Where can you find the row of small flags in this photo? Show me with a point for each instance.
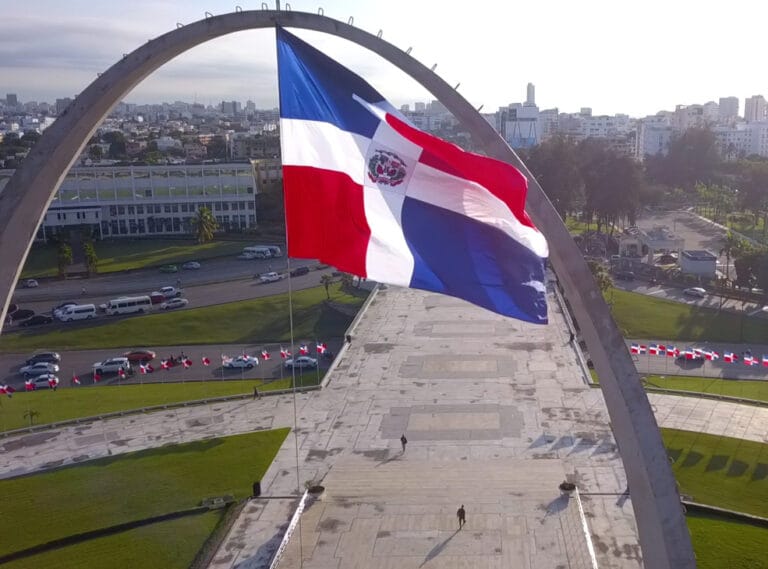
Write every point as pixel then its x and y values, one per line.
pixel 186 362
pixel 697 353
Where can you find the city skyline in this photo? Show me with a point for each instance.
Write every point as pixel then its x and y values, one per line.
pixel 59 55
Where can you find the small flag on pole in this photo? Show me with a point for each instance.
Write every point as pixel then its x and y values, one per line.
pixel 303 350
pixel 730 357
pixel 29 386
pixel 206 361
pixel 284 353
pixel 121 373
pixel 765 360
pixel 712 355
pixel 638 349
pixel 142 369
pixel 187 363
pixel 53 382
pixel 149 368
pixel 321 348
pixel 75 380
pixel 96 377
pixel 164 365
pixel 266 355
pixel 672 352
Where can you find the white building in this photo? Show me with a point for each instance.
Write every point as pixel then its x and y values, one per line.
pixel 653 136
pixel 134 201
pixel 755 108
pixel 742 140
pixel 728 109
pixel 165 143
pixel 702 263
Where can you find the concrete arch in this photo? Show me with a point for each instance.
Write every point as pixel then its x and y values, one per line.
pixel 662 528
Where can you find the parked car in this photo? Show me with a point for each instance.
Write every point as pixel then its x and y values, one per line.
pixel 174 303
pixel 49 357
pixel 44 381
pixel 139 355
pixel 29 283
pixel 37 320
pixel 191 266
pixel 695 291
pixel 22 314
pixel 169 269
pixel 38 368
pixel 298 271
pixel 269 277
pixel 301 362
pixel 241 362
pixel 112 365
pixel 625 276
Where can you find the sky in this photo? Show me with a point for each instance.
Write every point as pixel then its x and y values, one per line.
pixel 614 56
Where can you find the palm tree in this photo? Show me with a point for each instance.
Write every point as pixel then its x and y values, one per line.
pixel 326 281
pixel 204 225
pixel 91 258
pixel 31 414
pixel 346 280
pixel 64 258
pixel 732 247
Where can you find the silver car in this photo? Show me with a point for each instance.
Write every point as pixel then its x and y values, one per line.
pixel 38 368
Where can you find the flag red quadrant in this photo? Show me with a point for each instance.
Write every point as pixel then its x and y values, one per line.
pixel 399 205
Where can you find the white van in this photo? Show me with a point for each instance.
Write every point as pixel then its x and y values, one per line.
pixel 258 252
pixel 128 305
pixel 76 312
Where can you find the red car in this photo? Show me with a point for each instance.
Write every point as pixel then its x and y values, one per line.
pixel 140 355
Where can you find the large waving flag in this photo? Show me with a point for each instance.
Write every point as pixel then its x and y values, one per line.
pixel 398 205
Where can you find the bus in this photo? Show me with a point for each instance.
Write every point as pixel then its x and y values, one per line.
pixel 128 305
pixel 257 252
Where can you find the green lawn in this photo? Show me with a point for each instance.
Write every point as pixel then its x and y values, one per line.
pixel 104 492
pixel 73 403
pixel 260 320
pixel 641 316
pixel 757 390
pixel 723 543
pixel 171 545
pixel 124 254
pixel 720 471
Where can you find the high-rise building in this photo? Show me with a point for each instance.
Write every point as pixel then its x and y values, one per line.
pixel 62 104
pixel 530 95
pixel 419 107
pixel 754 108
pixel 729 108
pixel 11 100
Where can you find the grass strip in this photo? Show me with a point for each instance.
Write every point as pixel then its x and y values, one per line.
pixel 46 406
pixel 747 389
pixel 642 316
pixel 721 542
pixel 126 254
pixel 171 545
pixel 720 471
pixel 133 486
pixel 260 320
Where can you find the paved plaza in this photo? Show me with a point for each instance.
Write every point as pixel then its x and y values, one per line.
pixel 496 412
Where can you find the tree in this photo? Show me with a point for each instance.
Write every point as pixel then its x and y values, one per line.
pixel 347 280
pixel 733 246
pixel 692 157
pixel 602 277
pixel 64 258
pixel 91 259
pixel 326 281
pixel 555 165
pixel 204 225
pixel 31 414
pixel 94 152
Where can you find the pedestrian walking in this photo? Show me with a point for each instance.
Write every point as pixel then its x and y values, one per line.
pixel 571 338
pixel 462 515
pixel 403 441
pixel 256 394
pixel 82 291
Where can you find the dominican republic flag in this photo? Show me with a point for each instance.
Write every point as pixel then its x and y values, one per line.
pixel 142 369
pixel 689 354
pixel 7 390
pixel 187 363
pixel 121 373
pixel 75 380
pixel 672 352
pixel 712 355
pixel 322 348
pixel 206 361
pixel 637 349
pixel 750 360
pixel 29 386
pixel 266 355
pixel 399 206
pixel 96 377
pixel 765 361
pixel 730 357
pixel 303 350
pixel 164 365
pixel 284 353
pixel 53 382
pixel 149 368
pixel 653 349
